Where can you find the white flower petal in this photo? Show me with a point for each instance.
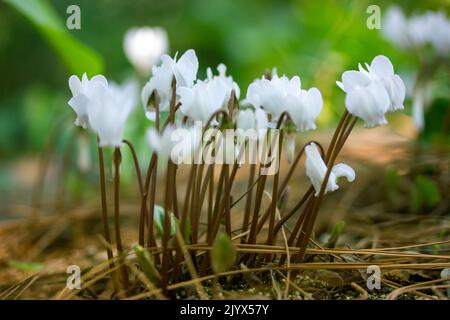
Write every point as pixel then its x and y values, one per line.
pixel 75 85
pixel 343 170
pixel 369 104
pixel 316 170
pixel 186 69
pixel 352 79
pixel 382 66
pixel 154 139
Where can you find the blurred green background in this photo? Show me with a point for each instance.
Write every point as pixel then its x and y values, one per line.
pixel 317 40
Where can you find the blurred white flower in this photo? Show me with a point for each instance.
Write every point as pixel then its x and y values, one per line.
pixel 82 91
pixel 108 110
pixel 161 143
pixel 282 94
pixel 251 124
pixel 178 144
pixel 83 155
pixel 290 146
pixel 144 47
pixel 418 109
pixel 431 27
pixel 251 129
pixel 183 70
pixel 395 26
pixel 226 82
pixel 439 36
pixel 316 170
pixel 248 119
pixel 373 92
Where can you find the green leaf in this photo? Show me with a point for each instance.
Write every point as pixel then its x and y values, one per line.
pixel 77 57
pixel 429 190
pixel 392 179
pixel 223 253
pixel 158 218
pixel 337 230
pixel 435 130
pixel 26 266
pixel 146 263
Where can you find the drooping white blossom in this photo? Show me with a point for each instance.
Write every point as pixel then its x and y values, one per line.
pixel 144 47
pixel 183 70
pixel 373 92
pixel 316 170
pixel 108 110
pixel 82 91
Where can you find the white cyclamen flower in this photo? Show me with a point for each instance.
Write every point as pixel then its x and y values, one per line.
pixel 226 82
pixel 282 94
pixel 82 91
pixel 316 170
pixel 144 47
pixel 108 110
pixel 272 94
pixel 201 100
pixel 178 144
pixel 184 70
pixel 305 108
pixel 373 92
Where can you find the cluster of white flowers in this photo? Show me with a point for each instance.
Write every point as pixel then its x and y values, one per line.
pixel 430 28
pixel 280 94
pixel 204 98
pixel 104 108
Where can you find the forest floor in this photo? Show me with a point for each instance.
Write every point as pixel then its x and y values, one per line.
pixel 383 227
